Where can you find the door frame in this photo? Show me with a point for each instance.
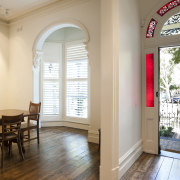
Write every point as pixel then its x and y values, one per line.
pixel 150 115
pixel 171 46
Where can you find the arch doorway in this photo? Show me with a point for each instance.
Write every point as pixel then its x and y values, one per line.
pixel 159 33
pixel 60 74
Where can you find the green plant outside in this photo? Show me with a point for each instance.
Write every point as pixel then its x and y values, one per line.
pixel 166 132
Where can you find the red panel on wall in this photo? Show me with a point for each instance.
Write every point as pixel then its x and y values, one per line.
pixel 149 80
pixel 170 5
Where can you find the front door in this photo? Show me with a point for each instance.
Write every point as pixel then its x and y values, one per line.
pixel 150 112
pixel 169 100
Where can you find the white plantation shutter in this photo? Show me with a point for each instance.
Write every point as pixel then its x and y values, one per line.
pixel 51 88
pixel 51 70
pixel 64 85
pixel 76 81
pixel 51 78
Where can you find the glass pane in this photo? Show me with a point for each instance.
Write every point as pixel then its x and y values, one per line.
pixel 51 70
pixel 172 26
pixel 151 28
pixel 167 7
pixel 77 99
pixel 77 69
pixel 50 98
pixel 76 52
pixel 149 80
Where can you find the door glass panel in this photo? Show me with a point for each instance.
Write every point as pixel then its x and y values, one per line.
pixel 149 80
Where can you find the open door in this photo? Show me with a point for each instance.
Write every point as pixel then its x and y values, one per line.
pixel 169 101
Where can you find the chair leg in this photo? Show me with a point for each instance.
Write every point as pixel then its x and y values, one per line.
pixel 38 134
pixel 28 135
pixel 2 154
pixel 10 148
pixel 20 148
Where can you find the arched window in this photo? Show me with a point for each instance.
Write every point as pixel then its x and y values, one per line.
pixel 64 74
pixel 172 26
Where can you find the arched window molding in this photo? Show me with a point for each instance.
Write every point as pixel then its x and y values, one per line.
pixel 37 56
pixel 157 39
pixel 167 7
pixel 38 45
pixel 160 21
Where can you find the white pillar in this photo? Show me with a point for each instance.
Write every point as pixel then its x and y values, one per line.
pixel 109 168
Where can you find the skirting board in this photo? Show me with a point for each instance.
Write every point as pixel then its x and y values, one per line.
pixel 64 123
pixel 127 160
pixel 93 136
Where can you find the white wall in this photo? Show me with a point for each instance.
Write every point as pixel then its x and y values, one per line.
pixel 24 32
pixel 4 33
pixel 147 7
pixel 66 34
pixel 129 78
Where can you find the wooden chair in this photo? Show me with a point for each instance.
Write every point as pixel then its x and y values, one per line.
pixel 11 129
pixel 34 108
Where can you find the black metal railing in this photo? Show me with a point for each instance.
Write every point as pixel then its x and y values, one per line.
pixel 170 115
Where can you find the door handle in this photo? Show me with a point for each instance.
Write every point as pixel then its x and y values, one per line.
pixel 157 94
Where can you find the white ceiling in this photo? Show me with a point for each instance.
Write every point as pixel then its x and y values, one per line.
pixel 20 7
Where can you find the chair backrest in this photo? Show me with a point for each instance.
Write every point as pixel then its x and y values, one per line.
pixel 11 124
pixel 33 109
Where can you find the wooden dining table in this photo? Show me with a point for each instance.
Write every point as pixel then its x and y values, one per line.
pixel 14 112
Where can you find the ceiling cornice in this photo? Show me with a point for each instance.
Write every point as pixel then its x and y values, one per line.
pixel 22 14
pixel 46 9
pixel 4 22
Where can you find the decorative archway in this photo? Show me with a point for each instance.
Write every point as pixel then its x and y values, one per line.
pixel 38 45
pixel 151 43
pixel 39 41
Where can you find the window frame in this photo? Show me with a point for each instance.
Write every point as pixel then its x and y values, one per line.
pixel 63 88
pixel 70 118
pixel 53 117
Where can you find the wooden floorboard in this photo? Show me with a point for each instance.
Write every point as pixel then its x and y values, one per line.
pixel 165 169
pixel 63 154
pixel 175 170
pixel 152 167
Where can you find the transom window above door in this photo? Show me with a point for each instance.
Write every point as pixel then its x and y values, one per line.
pixel 172 26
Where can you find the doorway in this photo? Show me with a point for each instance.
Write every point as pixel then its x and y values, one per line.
pixel 169 101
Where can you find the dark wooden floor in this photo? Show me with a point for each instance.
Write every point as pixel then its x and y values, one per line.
pixel 63 154
pixel 151 167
